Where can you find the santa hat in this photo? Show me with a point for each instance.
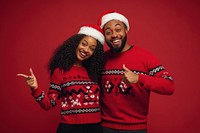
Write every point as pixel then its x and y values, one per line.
pixel 110 15
pixel 93 31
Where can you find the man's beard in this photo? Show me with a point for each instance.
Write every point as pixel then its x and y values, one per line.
pixel 119 49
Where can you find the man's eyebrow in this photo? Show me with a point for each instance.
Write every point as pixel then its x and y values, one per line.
pixel 115 25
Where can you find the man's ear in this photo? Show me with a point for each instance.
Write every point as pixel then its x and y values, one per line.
pixel 126 30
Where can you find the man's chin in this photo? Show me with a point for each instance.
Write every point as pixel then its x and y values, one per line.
pixel 116 50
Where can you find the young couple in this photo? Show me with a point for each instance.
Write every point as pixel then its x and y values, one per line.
pixel 102 92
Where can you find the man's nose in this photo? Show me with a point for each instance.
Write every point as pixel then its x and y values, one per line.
pixel 114 34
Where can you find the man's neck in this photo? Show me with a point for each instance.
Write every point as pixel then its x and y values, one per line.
pixel 126 48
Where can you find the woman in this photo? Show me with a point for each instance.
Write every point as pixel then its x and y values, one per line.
pixel 75 70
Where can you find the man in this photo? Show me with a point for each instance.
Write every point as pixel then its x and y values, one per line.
pixel 131 74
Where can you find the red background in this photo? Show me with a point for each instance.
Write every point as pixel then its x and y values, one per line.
pixel 31 30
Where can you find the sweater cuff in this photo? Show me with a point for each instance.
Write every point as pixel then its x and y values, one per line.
pixel 36 92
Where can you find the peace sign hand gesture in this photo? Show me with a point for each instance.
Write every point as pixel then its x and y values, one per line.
pixel 30 79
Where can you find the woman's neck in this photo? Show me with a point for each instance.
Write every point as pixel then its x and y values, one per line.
pixel 78 64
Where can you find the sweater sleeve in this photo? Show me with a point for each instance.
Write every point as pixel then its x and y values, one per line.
pixel 157 84
pixel 49 100
pixel 158 79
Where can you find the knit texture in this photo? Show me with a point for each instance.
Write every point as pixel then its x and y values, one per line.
pixel 78 95
pixel 125 106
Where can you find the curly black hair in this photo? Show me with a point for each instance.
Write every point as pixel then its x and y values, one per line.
pixel 64 58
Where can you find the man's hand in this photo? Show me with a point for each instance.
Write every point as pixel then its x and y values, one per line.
pixel 129 77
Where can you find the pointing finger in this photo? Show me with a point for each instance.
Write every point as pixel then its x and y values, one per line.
pixel 22 75
pixel 31 72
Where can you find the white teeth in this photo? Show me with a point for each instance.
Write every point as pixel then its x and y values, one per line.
pixel 83 54
pixel 115 41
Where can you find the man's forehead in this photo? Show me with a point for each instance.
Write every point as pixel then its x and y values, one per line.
pixel 113 23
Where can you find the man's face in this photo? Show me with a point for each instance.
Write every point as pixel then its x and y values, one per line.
pixel 115 35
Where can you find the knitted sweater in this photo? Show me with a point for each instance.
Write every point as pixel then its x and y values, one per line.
pixel 78 95
pixel 125 106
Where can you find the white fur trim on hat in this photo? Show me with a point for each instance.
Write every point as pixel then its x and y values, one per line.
pixel 116 16
pixel 93 33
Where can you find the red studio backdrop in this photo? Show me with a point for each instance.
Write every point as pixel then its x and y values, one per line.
pixel 31 30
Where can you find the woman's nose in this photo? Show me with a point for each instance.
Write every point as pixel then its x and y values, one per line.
pixel 86 49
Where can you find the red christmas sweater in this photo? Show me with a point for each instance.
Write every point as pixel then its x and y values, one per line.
pixel 78 95
pixel 126 106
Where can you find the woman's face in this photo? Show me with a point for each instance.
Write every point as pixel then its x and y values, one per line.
pixel 86 48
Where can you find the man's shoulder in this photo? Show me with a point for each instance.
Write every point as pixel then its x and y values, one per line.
pixel 142 50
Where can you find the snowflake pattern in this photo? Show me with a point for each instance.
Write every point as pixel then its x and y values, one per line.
pixel 75 102
pixel 64 103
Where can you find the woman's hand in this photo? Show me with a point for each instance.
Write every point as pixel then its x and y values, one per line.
pixel 30 79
